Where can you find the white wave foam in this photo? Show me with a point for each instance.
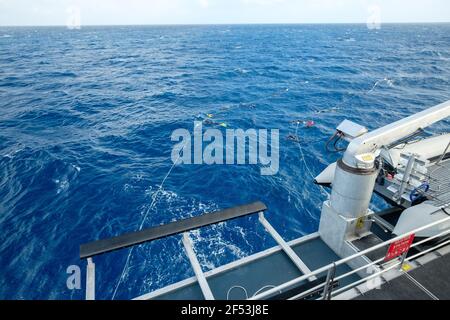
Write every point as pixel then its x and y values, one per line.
pixel 11 154
pixel 386 80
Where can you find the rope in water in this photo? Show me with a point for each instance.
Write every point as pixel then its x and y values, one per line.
pixel 322 189
pixel 155 196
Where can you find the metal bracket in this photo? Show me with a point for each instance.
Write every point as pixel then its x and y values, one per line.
pixel 207 293
pixel 286 248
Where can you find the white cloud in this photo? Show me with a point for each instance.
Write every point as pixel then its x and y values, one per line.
pixel 204 3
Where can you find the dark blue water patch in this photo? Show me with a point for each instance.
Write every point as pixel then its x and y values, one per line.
pixel 86 118
pixel 14 82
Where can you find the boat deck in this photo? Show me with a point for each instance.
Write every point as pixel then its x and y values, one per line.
pixel 243 279
pixel 440 183
pixel 430 281
pixel 257 273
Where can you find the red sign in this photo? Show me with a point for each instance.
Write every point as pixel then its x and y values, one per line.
pixel 399 247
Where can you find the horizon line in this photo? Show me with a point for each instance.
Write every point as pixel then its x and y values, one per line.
pixel 228 24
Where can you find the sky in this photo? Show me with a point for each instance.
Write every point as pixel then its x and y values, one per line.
pixel 131 12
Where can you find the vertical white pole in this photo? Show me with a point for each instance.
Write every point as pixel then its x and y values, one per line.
pixel 207 293
pixel 90 280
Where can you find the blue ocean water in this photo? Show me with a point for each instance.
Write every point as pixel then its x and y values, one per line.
pixel 85 123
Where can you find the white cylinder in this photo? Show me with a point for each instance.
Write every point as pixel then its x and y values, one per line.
pixel 352 190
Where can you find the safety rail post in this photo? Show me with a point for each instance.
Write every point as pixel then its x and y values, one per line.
pixel 90 280
pixel 402 259
pixel 94 248
pixel 406 177
pixel 329 283
pixel 203 283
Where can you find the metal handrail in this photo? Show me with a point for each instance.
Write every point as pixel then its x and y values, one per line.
pixel 326 268
pixel 389 268
pixel 353 271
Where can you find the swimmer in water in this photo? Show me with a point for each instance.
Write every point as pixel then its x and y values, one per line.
pixel 307 124
pixel 333 109
pixel 294 138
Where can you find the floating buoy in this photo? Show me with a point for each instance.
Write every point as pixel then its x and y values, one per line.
pixel 209 115
pixel 310 124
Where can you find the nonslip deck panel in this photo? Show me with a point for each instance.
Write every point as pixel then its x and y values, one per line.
pixel 266 271
pixel 433 276
pixel 106 245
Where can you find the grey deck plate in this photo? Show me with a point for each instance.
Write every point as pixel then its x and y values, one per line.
pixel 270 270
pixel 434 276
pixel 369 242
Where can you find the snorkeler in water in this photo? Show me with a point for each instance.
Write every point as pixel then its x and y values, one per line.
pixel 294 138
pixel 207 120
pixel 307 124
pixel 330 110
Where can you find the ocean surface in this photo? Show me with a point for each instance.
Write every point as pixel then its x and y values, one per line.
pixel 86 118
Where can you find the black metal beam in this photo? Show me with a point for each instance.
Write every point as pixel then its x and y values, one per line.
pixel 130 239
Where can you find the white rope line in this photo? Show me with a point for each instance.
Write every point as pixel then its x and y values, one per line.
pixel 155 196
pixel 322 189
pixel 269 286
pixel 237 287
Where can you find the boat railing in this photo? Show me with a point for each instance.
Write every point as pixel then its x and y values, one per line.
pixel 374 269
pixel 91 249
pixel 319 286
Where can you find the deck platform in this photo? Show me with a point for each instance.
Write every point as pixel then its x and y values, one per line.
pixel 267 269
pixel 438 177
pixel 428 282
